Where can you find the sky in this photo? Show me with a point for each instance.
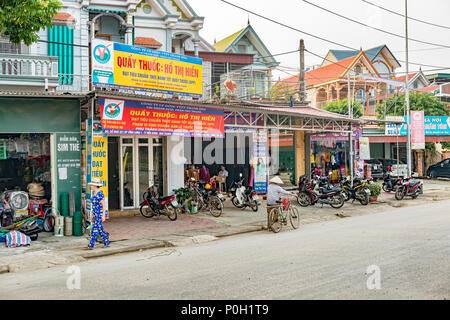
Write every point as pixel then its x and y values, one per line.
pixel 222 19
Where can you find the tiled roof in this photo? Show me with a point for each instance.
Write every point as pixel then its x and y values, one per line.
pixel 403 78
pixel 323 74
pixel 144 41
pixel 429 89
pixel 344 54
pixel 64 16
pixel 223 44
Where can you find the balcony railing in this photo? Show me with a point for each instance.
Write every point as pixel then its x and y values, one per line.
pixel 25 70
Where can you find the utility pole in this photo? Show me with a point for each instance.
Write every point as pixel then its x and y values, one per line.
pixel 350 135
pixel 408 146
pixel 302 85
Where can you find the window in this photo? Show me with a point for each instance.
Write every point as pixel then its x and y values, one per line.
pixel 242 48
pixel 8 47
pixel 60 44
pixel 358 69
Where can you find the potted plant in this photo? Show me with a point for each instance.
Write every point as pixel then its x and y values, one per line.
pixel 182 195
pixel 375 191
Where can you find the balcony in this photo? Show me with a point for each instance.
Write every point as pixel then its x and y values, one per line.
pixel 27 72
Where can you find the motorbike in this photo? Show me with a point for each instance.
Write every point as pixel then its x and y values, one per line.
pixel 154 205
pixel 207 197
pixel 242 196
pixel 327 194
pixel 359 191
pixel 389 183
pixel 410 188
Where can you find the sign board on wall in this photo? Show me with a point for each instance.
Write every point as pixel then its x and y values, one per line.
pixel 364 149
pixel 260 160
pixel 433 126
pixel 147 118
pixel 417 130
pixel 120 66
pixel 68 165
pixel 99 165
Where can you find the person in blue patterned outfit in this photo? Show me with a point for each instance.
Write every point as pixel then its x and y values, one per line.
pixel 98 214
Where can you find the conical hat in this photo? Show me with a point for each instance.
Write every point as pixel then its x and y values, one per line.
pixel 276 180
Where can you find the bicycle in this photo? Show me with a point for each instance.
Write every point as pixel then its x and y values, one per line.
pixel 278 216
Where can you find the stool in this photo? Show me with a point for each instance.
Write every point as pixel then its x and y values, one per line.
pixel 39 203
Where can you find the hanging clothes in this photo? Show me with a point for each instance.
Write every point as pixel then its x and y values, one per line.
pixel 327 157
pixel 312 158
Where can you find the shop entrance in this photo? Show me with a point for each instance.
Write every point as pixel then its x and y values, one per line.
pixel 141 165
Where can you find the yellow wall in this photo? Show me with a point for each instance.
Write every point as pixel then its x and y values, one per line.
pixel 300 160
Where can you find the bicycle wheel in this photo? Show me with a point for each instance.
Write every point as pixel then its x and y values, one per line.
pixel 275 220
pixel 215 206
pixel 294 217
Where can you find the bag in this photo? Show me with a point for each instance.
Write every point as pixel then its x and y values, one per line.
pixel 17 239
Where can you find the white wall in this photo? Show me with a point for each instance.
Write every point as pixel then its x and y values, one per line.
pixel 175 163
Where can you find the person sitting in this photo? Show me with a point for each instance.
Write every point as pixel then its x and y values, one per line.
pixel 221 178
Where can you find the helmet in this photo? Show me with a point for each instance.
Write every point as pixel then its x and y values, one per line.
pixel 207 186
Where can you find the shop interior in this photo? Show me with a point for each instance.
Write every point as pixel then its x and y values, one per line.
pixel 329 158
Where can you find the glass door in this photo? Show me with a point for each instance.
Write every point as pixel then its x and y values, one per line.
pixel 144 167
pixel 128 172
pixel 157 164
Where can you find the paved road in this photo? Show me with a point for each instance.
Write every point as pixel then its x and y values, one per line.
pixel 328 260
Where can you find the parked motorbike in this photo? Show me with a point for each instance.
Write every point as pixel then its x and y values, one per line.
pixel 408 187
pixel 326 194
pixel 207 197
pixel 242 196
pixel 389 183
pixel 154 205
pixel 359 191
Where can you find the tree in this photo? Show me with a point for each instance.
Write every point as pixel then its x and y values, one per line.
pixel 21 20
pixel 395 106
pixel 341 106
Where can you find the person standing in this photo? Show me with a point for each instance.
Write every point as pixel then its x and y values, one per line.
pixel 98 214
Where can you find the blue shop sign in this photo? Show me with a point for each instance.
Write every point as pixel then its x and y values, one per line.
pixel 434 126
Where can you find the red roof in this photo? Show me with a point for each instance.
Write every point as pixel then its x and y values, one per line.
pixel 403 78
pixel 323 74
pixel 64 16
pixel 430 89
pixel 144 41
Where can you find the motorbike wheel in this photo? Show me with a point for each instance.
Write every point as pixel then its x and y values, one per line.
pixel 337 201
pixel 146 211
pixel 303 199
pixel 385 188
pixel 275 220
pixel 254 205
pixel 363 199
pixel 215 206
pixel 236 203
pixel 400 194
pixel 171 213
pixel 49 223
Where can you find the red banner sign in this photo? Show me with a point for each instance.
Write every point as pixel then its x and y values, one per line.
pixel 417 130
pixel 146 118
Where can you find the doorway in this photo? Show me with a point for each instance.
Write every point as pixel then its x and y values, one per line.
pixel 113 173
pixel 141 166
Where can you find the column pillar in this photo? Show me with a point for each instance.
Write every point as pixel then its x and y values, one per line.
pixel 419 163
pixel 300 159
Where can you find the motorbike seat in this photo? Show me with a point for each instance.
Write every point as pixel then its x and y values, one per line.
pixel 414 182
pixel 164 198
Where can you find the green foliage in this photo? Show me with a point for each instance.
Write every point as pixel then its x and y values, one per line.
pixel 395 106
pixel 21 20
pixel 375 189
pixel 182 194
pixel 445 145
pixel 341 107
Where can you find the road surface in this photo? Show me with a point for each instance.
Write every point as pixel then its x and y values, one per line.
pixel 401 254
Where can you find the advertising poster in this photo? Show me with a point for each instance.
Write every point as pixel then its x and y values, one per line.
pixel 120 66
pixel 417 130
pixel 99 164
pixel 88 164
pixel 364 149
pixel 147 118
pixel 260 160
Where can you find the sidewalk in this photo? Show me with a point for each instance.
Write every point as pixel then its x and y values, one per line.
pixel 134 232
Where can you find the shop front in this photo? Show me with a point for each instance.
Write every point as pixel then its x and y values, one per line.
pixel 142 144
pixel 40 152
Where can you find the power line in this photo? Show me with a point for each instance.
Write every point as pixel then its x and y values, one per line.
pixel 402 15
pixel 320 38
pixel 375 28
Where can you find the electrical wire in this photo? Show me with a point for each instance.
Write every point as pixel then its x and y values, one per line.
pixel 374 28
pixel 402 15
pixel 317 37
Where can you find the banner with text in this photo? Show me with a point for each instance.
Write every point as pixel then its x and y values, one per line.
pixel 260 160
pixel 120 66
pixel 417 130
pixel 434 126
pixel 99 165
pixel 141 117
